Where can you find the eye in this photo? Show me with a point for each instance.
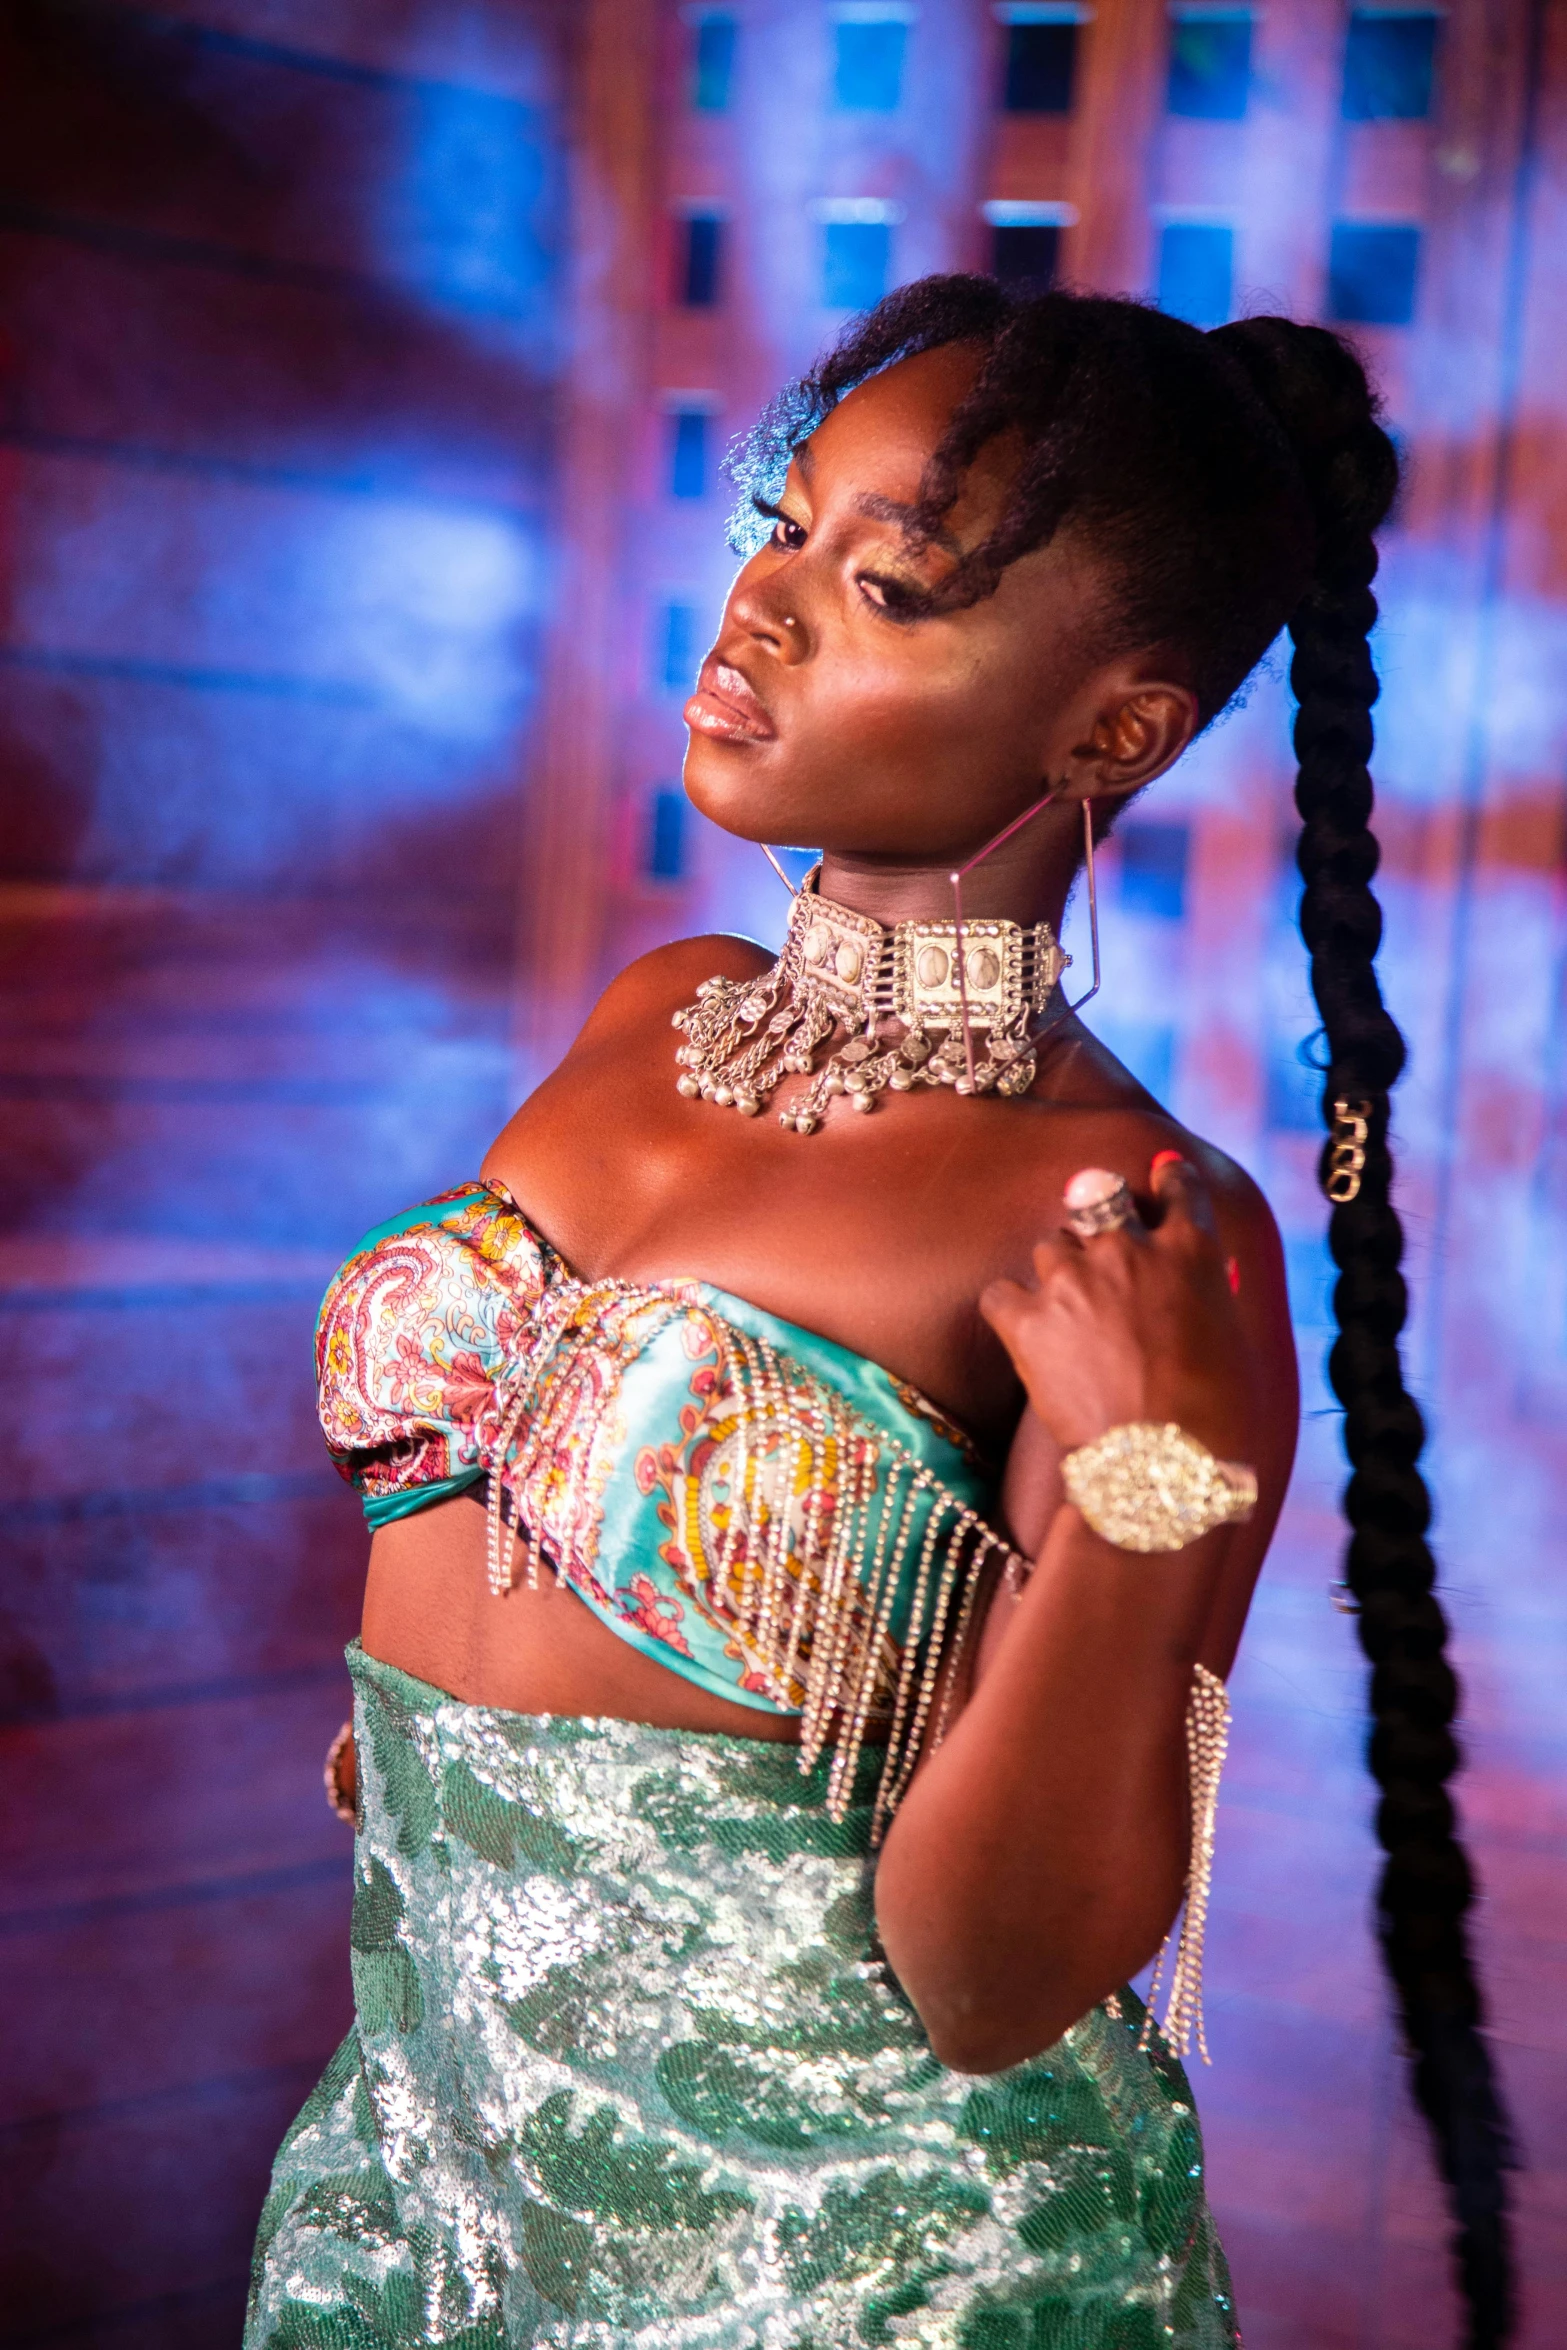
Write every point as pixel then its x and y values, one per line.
pixel 786 532
pixel 896 597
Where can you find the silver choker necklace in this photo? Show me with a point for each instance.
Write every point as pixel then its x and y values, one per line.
pixel 839 969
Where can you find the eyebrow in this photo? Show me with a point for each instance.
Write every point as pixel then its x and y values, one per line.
pixel 879 509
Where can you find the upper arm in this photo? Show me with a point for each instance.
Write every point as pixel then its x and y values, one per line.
pixel 1264 1375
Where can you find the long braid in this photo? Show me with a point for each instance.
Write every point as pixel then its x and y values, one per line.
pixel 1426 1887
pixel 1230 484
pixel 1317 390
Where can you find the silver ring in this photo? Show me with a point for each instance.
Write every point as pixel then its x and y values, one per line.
pixel 1097 1201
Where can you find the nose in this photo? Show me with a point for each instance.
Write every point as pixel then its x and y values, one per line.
pixel 763 608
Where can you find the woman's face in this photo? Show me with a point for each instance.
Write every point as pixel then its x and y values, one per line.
pixel 828 716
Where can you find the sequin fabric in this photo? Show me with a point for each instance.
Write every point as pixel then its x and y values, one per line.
pixel 626 2072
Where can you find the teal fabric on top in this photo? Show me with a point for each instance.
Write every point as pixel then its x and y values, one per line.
pixel 381 1509
pixel 455 1345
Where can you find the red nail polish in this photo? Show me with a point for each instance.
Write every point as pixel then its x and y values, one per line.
pixel 1232 1272
pixel 1165 1159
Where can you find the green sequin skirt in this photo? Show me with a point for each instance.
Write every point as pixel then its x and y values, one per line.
pixel 626 2071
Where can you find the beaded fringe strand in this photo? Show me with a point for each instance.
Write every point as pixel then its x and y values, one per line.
pixel 1207 1742
pixel 821 1510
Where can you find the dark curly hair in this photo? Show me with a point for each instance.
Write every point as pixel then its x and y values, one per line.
pixel 1233 482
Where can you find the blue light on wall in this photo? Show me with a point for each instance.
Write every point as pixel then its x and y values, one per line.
pixel 688 437
pixel 1373 270
pixel 665 855
pixel 679 647
pixel 1210 64
pixel 473 218
pixel 1153 868
pixel 1196 269
pixel 868 64
pixel 1293 1085
pixel 1389 66
pixel 1145 1047
pixel 712 63
pixel 856 263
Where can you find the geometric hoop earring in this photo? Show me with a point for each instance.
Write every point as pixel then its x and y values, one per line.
pixel 956 880
pixel 957 910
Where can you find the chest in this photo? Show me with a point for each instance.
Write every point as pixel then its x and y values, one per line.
pixel 878 1231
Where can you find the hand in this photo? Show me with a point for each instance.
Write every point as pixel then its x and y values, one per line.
pixel 1135 1324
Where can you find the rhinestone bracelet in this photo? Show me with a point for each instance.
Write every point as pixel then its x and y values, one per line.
pixel 1149 1486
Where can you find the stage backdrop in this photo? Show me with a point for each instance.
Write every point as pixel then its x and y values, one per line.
pixel 277 426
pixel 365 378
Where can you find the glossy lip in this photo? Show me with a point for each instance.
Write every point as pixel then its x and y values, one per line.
pixel 727 705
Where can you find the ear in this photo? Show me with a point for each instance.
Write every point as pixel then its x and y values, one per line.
pixel 1135 736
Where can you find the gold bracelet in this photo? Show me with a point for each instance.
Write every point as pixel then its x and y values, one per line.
pixel 1149 1486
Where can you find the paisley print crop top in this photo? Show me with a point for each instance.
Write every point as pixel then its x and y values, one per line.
pixel 770 1515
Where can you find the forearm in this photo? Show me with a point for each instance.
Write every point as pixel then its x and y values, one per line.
pixel 1038 1857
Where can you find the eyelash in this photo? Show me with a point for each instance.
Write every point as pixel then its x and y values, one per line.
pixel 902 602
pixel 780 521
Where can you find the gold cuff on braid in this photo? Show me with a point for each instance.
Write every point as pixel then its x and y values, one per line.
pixel 1149 1486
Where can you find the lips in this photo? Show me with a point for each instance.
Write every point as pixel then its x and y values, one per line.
pixel 725 704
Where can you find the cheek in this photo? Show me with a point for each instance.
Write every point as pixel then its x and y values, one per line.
pixel 880 735
pixel 913 702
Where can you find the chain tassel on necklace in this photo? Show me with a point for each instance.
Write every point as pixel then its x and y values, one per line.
pixel 839 969
pixel 936 982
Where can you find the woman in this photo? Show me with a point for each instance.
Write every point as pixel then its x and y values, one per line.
pixel 843 1498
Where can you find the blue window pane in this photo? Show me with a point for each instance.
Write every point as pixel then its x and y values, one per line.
pixel 868 68
pixel 680 647
pixel 1040 70
pixel 713 64
pixel 1153 868
pixel 700 261
pixel 857 260
pixel 1196 261
pixel 688 453
pixel 1210 66
pixel 1026 258
pixel 1388 67
pixel 666 836
pixel 1372 269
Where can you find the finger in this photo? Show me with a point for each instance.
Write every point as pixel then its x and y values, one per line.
pixel 1055 1250
pixel 1003 1303
pixel 1183 1197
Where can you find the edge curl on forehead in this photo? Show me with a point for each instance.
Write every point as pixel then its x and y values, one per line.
pixel 1152 438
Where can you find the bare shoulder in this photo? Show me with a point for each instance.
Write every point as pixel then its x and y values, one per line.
pixel 607 1063
pixel 669 976
pixel 1239 1201
pixel 1090 1111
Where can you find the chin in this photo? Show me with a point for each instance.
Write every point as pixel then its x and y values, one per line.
pixel 734 787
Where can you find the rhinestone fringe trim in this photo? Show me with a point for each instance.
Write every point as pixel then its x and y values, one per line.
pixel 810 1542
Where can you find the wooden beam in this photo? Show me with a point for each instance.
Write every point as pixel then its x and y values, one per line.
pixel 1114 147
pixel 565 876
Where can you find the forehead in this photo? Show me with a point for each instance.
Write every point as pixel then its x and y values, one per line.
pixel 886 430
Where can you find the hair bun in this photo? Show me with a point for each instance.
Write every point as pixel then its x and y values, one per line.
pixel 1315 388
